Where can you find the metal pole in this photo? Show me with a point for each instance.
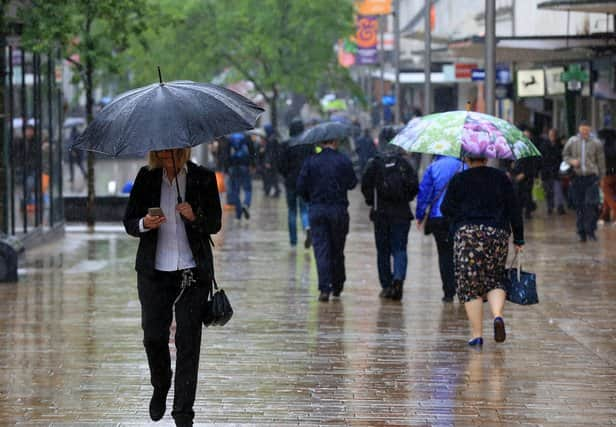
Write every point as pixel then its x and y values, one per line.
pixel 397 118
pixel 382 20
pixel 490 53
pixel 427 59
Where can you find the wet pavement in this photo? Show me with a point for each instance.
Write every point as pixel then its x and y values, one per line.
pixel 71 352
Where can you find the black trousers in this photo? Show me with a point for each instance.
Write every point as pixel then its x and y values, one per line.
pixel 586 198
pixel 157 294
pixel 444 246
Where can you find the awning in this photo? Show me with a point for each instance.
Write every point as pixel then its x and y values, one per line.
pixel 537 48
pixel 590 6
pixel 411 77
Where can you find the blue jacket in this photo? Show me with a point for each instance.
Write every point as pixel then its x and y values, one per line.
pixel 434 182
pixel 325 179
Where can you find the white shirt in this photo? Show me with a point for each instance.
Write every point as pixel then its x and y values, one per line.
pixel 172 250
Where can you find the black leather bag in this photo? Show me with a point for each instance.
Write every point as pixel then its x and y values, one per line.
pixel 217 311
pixel 521 285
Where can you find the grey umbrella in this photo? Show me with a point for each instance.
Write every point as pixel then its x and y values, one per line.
pixel 326 131
pixel 162 116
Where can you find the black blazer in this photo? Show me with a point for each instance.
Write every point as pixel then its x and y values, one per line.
pixel 201 194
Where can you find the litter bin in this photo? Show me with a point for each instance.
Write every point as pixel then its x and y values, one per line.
pixel 10 247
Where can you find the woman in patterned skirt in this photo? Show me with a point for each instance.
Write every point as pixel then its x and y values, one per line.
pixel 482 207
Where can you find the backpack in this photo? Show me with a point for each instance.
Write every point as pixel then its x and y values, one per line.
pixel 394 181
pixel 239 150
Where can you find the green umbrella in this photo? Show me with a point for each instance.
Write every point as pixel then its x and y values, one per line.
pixel 459 133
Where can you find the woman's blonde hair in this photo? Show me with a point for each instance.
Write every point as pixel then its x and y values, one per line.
pixel 181 155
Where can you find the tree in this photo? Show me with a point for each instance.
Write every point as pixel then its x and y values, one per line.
pixel 91 34
pixel 279 45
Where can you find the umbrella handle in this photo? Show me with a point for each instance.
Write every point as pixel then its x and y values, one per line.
pixel 160 76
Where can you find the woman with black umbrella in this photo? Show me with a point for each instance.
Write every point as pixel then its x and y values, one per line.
pixel 174 268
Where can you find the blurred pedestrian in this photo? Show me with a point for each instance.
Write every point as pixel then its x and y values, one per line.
pixel 292 157
pixel 270 162
pixel 174 269
pixel 324 181
pixel 523 173
pixel 432 192
pixel 482 208
pixel 551 158
pixel 365 149
pixel 240 159
pixel 389 184
pixel 75 157
pixel 587 157
pixel 608 183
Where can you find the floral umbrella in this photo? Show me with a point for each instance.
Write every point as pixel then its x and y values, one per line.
pixel 459 133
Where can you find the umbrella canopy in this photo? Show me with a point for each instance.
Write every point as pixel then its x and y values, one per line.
pixel 161 116
pixel 460 133
pixel 326 131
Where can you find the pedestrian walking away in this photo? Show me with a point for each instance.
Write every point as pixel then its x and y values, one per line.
pixel 324 181
pixel 551 158
pixel 270 162
pixel 292 157
pixel 432 191
pixel 389 184
pixel 482 208
pixel 586 155
pixel 173 247
pixel 240 161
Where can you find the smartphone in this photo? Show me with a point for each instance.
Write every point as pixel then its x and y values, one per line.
pixel 155 212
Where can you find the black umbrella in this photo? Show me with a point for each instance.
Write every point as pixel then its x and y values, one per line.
pixel 162 116
pixel 326 131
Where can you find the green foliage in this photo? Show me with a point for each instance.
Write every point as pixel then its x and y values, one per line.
pixel 89 32
pixel 280 45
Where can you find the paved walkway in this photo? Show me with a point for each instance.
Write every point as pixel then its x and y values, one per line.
pixel 71 352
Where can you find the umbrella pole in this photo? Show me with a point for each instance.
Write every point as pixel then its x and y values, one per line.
pixel 160 76
pixel 177 185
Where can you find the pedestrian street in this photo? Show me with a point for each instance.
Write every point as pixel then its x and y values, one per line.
pixel 71 350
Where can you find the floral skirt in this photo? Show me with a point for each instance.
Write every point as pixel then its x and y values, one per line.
pixel 480 255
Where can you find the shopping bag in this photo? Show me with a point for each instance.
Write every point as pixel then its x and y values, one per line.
pixel 521 286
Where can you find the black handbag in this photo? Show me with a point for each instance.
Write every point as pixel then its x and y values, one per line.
pixel 217 311
pixel 521 286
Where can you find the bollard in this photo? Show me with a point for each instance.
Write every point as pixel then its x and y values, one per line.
pixel 10 247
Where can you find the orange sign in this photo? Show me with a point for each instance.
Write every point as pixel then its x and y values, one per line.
pixel 367 31
pixel 373 7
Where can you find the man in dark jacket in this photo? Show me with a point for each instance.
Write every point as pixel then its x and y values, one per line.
pixel 523 175
pixel 389 185
pixel 324 181
pixel 291 159
pixel 365 149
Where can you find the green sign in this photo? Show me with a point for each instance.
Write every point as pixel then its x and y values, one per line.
pixel 574 73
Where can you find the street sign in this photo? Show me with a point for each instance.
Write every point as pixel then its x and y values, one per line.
pixel 463 71
pixel 530 83
pixel 553 83
pixel 478 74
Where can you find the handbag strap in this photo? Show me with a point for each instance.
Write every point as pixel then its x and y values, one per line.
pixel 517 257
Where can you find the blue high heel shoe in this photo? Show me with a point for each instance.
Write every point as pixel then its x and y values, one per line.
pixel 476 342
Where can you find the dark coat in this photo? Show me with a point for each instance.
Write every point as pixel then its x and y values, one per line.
pixel 291 160
pixel 391 210
pixel 201 194
pixel 551 157
pixel 326 178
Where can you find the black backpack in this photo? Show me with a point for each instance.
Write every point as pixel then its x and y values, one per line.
pixel 395 179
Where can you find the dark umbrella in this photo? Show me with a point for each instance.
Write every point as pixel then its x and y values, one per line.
pixel 162 116
pixel 327 131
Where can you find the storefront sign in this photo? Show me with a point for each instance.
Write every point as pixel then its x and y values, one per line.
pixel 366 38
pixel 373 7
pixel 478 74
pixel 553 83
pixel 530 83
pixel 463 71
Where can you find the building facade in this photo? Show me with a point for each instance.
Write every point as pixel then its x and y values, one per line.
pixel 31 139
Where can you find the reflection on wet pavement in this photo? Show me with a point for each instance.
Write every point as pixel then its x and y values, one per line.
pixel 71 352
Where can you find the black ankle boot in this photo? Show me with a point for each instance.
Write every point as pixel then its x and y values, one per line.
pixel 396 291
